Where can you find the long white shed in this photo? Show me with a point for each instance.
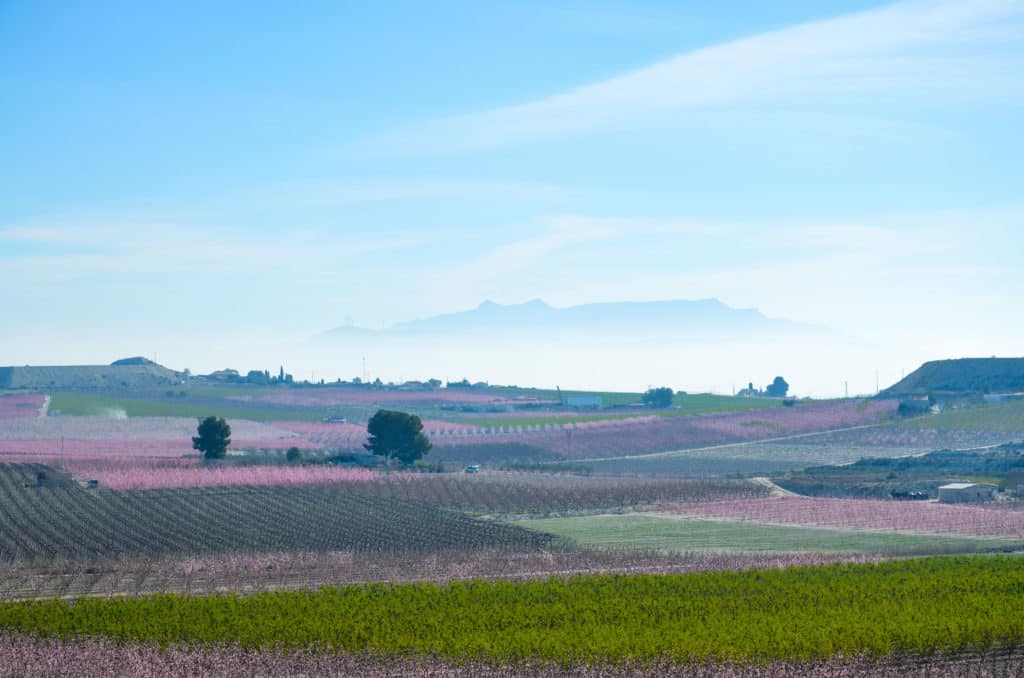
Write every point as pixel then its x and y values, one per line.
pixel 956 493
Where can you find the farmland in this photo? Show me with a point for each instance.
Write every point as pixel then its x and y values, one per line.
pixel 530 493
pixel 867 514
pixel 587 338
pixel 653 531
pixel 20 405
pixel 1005 417
pixel 574 508
pixel 60 659
pixel 70 522
pixel 272 571
pixel 798 613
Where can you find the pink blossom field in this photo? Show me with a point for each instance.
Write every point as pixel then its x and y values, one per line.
pixel 911 439
pixel 315 430
pixel 864 514
pixel 21 405
pixel 134 428
pixel 138 447
pixel 654 434
pixel 197 475
pixel 68 439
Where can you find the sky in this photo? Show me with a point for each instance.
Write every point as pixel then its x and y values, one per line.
pixel 215 185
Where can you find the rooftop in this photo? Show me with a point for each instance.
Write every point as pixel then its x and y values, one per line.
pixel 964 486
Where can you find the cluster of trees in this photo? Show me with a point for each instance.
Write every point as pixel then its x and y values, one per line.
pixel 392 435
pixel 658 397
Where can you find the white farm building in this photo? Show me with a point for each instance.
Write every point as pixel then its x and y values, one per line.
pixel 955 493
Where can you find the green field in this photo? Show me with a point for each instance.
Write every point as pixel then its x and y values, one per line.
pixel 919 605
pixel 201 401
pixel 682 405
pixel 1003 417
pixel 688 534
pixel 75 404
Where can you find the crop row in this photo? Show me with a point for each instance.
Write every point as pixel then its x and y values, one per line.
pixel 247 573
pixel 66 521
pixel 220 476
pixel 916 606
pixel 535 493
pixel 46 657
pixel 866 514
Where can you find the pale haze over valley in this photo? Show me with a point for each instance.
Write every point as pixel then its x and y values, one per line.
pixel 226 192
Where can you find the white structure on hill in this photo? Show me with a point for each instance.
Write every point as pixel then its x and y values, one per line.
pixel 954 493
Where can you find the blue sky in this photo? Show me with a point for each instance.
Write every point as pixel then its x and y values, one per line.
pixel 179 179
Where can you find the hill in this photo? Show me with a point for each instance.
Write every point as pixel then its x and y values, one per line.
pixel 962 376
pixel 130 373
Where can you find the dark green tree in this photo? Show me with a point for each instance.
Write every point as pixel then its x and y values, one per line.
pixel 778 388
pixel 658 397
pixel 293 455
pixel 257 377
pixel 397 435
pixel 213 439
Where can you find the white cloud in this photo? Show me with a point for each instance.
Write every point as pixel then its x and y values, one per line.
pixel 937 45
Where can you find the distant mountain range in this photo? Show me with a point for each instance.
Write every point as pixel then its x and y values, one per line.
pixel 668 319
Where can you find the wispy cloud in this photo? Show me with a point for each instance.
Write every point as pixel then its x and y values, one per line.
pixel 561 232
pixel 83 248
pixel 355 190
pixel 873 273
pixel 942 46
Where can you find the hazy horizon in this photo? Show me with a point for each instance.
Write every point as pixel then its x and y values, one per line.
pixel 631 361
